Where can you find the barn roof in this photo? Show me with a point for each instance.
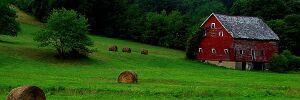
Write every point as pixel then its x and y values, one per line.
pixel 247 27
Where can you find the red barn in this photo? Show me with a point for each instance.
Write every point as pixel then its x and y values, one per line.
pixel 237 42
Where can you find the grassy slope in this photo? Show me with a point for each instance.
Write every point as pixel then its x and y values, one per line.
pixel 164 74
pixel 25 18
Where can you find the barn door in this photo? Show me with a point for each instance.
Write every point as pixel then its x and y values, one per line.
pixel 253 55
pixel 243 65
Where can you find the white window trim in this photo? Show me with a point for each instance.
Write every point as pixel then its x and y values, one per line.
pixel 213 25
pixel 242 52
pixel 221 33
pixel 226 51
pixel 213 51
pixel 200 50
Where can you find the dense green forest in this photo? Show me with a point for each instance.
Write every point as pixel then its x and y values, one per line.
pixel 170 23
pixel 8 24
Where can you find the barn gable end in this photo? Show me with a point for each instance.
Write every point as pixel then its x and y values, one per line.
pixel 217 43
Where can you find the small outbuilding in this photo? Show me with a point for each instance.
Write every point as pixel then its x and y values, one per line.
pixel 237 42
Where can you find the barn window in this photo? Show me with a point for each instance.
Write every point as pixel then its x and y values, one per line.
pixel 241 52
pixel 213 25
pixel 200 50
pixel 226 51
pixel 214 51
pixel 221 34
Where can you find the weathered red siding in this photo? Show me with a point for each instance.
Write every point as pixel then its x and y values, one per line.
pixel 264 50
pixel 213 40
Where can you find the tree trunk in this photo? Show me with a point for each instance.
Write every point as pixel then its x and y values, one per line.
pixel 60 52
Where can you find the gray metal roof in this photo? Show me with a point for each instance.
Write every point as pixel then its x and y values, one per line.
pixel 247 27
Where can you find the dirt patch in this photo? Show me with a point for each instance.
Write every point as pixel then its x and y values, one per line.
pixel 23 17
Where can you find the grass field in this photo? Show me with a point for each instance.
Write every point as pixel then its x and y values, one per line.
pixel 164 74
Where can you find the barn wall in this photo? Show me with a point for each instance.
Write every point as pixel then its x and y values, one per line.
pixel 264 50
pixel 213 40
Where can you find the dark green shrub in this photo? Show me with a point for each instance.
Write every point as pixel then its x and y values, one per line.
pixel 279 63
pixel 290 57
pixel 293 61
pixel 285 62
pixel 193 43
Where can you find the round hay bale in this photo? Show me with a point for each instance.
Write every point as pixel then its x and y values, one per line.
pixel 128 77
pixel 26 93
pixel 128 50
pixel 113 48
pixel 144 52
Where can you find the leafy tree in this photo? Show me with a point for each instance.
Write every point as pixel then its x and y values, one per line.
pixel 193 44
pixel 176 31
pixel 228 3
pixel 159 5
pixel 40 9
pixel 266 9
pixel 294 6
pixel 66 32
pixel 165 29
pixel 288 29
pixel 155 27
pixel 197 11
pixel 106 19
pixel 23 4
pixel 8 23
pixel 293 32
pixel 132 22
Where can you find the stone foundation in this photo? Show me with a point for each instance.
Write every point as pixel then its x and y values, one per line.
pixel 240 65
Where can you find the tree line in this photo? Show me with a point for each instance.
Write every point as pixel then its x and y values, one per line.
pixel 171 23
pixel 8 24
pixel 166 23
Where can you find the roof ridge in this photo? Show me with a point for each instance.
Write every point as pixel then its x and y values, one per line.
pixel 236 16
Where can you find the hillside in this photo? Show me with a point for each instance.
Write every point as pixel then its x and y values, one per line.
pixel 23 17
pixel 163 74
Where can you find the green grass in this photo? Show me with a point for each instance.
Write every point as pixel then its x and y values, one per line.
pixel 163 74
